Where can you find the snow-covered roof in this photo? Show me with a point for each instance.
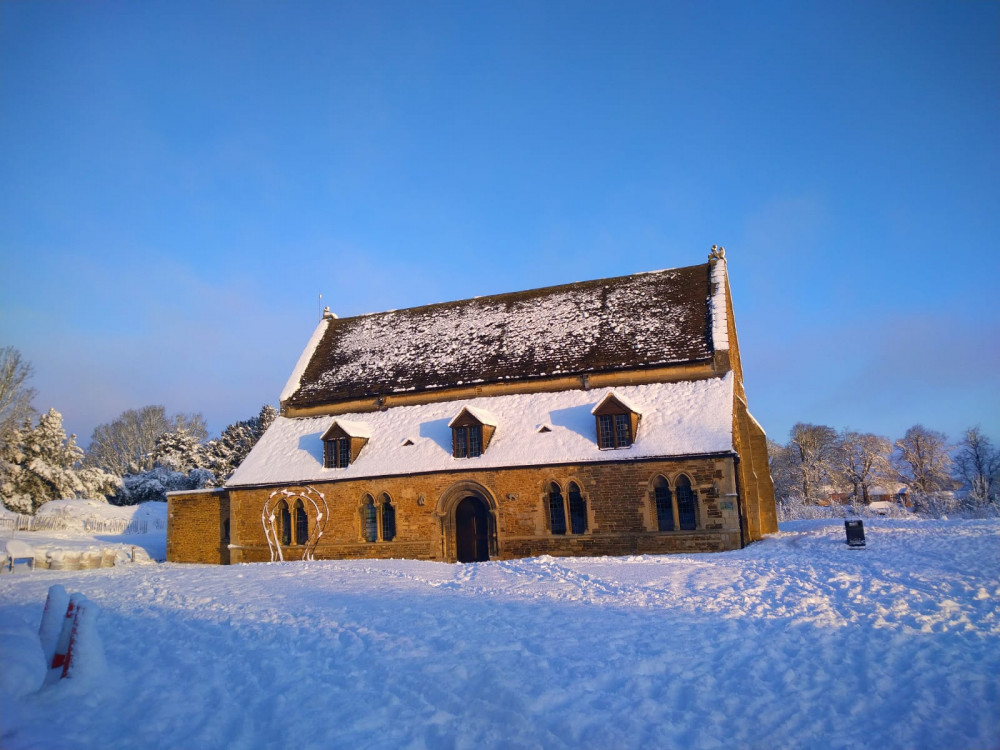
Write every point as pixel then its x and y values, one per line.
pixel 353 428
pixel 620 399
pixel 630 322
pixel 480 415
pixel 295 379
pixel 720 329
pixel 682 418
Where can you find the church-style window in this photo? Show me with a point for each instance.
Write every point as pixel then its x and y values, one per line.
pixel 388 520
pixel 301 523
pixel 687 511
pixel 664 505
pixel 557 511
pixel 343 442
pixel 369 520
pixel 617 423
pixel 577 510
pixel 471 432
pixel 284 523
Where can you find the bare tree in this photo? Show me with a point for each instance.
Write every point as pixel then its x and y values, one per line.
pixel 126 445
pixel 922 460
pixel 864 460
pixel 15 396
pixel 977 464
pixel 782 461
pixel 815 448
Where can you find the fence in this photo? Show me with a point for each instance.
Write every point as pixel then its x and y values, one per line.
pixel 116 526
pixel 33 523
pixel 94 525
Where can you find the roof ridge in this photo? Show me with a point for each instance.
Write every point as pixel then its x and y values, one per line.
pixel 554 288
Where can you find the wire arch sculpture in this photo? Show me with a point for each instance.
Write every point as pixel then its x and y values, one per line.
pixel 309 496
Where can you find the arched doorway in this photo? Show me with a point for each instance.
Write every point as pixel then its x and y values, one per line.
pixel 472 530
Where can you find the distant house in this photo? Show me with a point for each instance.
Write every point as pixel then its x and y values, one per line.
pixel 600 417
pixel 897 494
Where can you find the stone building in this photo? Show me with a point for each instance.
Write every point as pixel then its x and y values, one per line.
pixel 598 418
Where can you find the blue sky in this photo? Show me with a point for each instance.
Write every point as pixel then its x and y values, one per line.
pixel 179 180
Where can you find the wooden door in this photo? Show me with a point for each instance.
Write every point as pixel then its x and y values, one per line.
pixel 472 526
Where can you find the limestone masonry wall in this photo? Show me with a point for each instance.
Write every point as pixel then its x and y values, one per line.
pixel 620 508
pixel 196 527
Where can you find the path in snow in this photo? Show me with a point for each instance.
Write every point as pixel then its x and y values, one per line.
pixel 793 642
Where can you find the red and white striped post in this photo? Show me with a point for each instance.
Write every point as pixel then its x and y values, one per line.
pixel 59 666
pixel 56 604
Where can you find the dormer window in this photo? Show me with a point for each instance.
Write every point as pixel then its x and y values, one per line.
pixel 343 442
pixel 471 432
pixel 617 422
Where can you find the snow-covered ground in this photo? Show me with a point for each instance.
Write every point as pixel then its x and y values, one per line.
pixel 68 539
pixel 794 642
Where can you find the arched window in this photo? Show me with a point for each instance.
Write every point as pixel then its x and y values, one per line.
pixel 664 505
pixel 301 523
pixel 285 523
pixel 369 526
pixel 388 520
pixel 577 510
pixel 687 513
pixel 557 512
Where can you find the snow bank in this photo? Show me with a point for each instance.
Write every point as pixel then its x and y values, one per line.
pixel 795 641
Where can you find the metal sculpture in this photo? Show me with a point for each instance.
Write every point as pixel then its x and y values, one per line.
pixel 309 496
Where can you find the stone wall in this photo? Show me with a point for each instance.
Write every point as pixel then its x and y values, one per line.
pixel 621 515
pixel 196 526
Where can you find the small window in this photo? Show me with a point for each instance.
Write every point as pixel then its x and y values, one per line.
pixel 471 432
pixel 468 441
pixel 343 442
pixel 557 511
pixel 337 453
pixel 301 523
pixel 687 512
pixel 664 505
pixel 616 423
pixel 388 520
pixel 577 510
pixel 285 523
pixel 369 525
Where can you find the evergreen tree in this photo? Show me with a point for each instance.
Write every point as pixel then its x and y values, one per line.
pixel 180 451
pixel 153 485
pixel 40 463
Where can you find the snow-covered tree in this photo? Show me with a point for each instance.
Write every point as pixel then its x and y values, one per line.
pixel 40 464
pixel 126 445
pixel 864 461
pixel 153 485
pixel 179 450
pixel 814 457
pixel 783 463
pixel 235 442
pixel 922 460
pixel 977 466
pixel 15 396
